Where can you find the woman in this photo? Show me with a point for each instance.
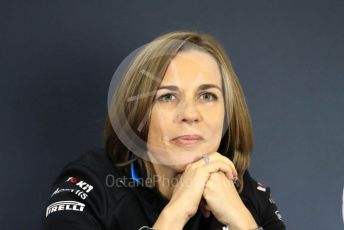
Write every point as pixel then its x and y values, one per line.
pixel 178 140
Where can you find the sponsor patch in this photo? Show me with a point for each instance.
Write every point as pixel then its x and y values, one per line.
pixel 261 187
pixel 278 214
pixel 65 206
pixel 82 184
pixel 77 192
pixel 271 200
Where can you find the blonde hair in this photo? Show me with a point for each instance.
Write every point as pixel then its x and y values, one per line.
pixel 237 141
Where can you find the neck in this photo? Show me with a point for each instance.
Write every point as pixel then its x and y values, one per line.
pixel 167 178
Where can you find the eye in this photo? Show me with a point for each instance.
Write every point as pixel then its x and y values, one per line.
pixel 166 97
pixel 212 96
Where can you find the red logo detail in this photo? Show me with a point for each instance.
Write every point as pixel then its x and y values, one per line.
pixel 73 180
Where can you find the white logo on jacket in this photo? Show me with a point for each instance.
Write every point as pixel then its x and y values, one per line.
pixel 68 205
pixel 80 183
pixel 77 192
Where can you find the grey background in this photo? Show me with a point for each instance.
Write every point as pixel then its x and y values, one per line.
pixel 57 59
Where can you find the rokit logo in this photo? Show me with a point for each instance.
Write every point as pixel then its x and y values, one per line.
pixel 82 184
pixel 77 192
pixel 261 187
pixel 65 205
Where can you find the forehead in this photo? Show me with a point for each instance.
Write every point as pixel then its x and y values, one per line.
pixel 192 67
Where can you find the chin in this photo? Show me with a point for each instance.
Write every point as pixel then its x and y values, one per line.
pixel 180 168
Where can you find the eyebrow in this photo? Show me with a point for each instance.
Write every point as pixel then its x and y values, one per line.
pixel 201 87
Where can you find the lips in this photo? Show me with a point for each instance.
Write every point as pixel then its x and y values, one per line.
pixel 186 140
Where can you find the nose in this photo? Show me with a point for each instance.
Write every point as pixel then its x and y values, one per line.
pixel 188 113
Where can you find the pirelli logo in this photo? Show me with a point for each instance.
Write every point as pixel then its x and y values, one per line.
pixel 65 206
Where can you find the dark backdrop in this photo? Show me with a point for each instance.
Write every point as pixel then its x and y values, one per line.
pixel 57 59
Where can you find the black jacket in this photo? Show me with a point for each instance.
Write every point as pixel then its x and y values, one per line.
pixel 91 194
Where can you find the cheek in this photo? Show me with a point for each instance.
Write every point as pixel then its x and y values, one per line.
pixel 215 118
pixel 159 125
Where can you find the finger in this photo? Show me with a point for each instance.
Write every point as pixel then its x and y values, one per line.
pixel 206 213
pixel 218 157
pixel 206 207
pixel 231 181
pixel 218 166
pixel 204 204
pixel 203 211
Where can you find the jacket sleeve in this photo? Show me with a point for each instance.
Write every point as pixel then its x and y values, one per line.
pixel 75 201
pixel 271 219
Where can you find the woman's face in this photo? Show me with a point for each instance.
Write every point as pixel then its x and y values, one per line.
pixel 189 102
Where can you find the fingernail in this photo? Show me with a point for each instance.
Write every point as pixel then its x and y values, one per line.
pixel 235 183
